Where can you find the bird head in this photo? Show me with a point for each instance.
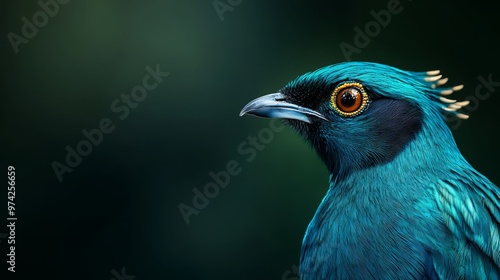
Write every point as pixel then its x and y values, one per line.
pixel 358 114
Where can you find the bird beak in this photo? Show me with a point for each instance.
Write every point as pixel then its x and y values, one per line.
pixel 274 106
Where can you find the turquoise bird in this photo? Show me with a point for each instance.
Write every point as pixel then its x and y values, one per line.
pixel 402 202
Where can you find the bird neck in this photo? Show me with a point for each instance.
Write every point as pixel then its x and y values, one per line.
pixel 432 150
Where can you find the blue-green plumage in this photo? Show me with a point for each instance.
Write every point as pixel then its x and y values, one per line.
pixel 402 202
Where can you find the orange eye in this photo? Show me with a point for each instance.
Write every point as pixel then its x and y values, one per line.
pixel 349 99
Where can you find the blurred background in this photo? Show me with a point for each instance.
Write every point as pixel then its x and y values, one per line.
pixel 116 214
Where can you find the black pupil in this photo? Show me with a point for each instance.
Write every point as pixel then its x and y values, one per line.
pixel 348 98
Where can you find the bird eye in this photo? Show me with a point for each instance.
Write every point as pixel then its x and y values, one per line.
pixel 349 99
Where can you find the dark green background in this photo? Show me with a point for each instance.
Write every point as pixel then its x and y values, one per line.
pixel 119 207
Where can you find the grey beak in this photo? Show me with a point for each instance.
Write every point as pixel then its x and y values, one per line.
pixel 274 106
